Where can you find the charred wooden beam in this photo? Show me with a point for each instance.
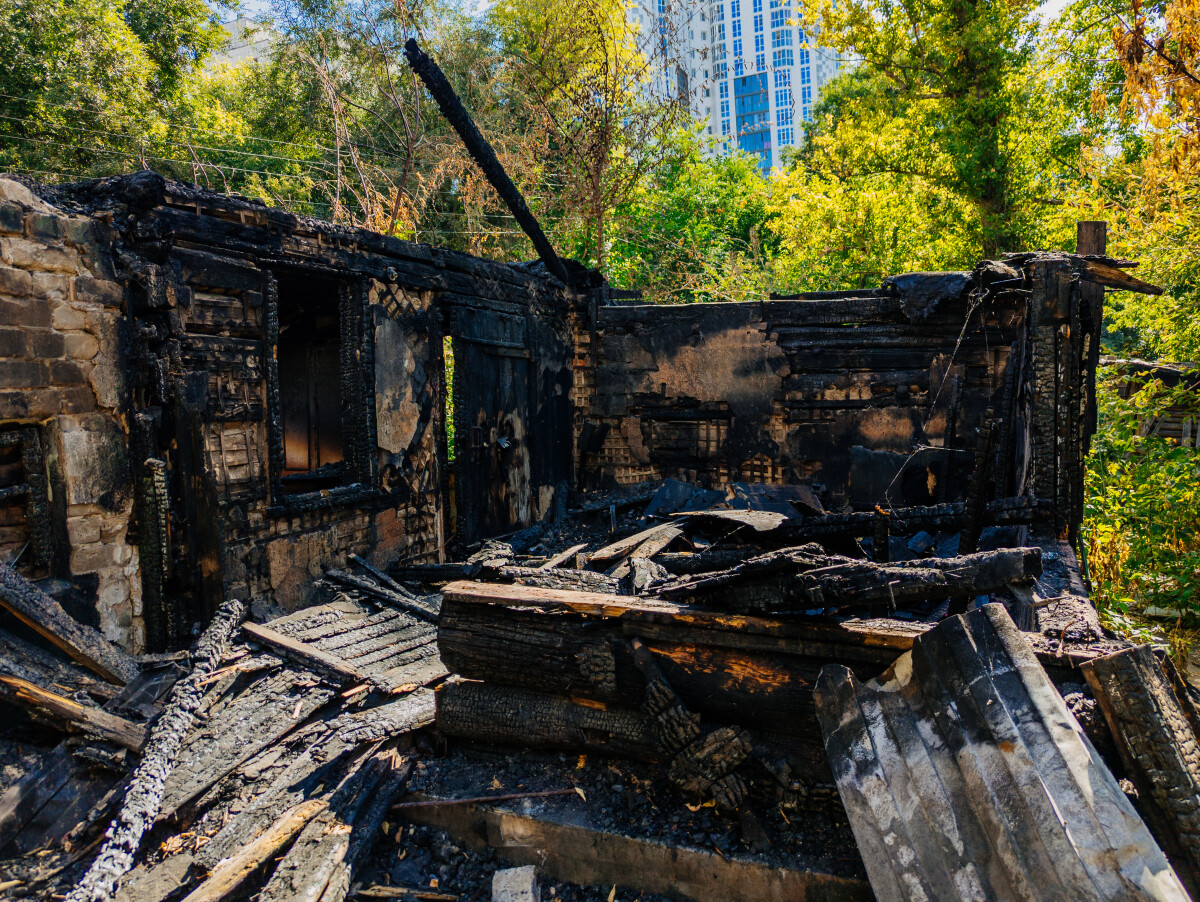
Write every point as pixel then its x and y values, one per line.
pixel 483 155
pixel 1104 273
pixel 45 616
pixel 1158 747
pixel 82 717
pixel 143 799
pixel 508 716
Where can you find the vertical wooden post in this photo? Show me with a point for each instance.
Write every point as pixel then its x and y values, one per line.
pixel 1091 238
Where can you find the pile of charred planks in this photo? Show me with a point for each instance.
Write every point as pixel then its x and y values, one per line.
pixel 762 650
pixel 265 759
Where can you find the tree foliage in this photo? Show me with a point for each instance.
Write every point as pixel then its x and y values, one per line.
pixel 88 87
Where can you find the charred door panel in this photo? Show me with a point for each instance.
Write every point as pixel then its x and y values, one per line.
pixel 492 413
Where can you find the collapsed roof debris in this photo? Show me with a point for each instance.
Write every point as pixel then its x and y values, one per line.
pixel 746 600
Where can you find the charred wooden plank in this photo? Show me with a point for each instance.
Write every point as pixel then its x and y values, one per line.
pixel 47 669
pixel 269 710
pixel 144 798
pixel 328 844
pixel 1158 747
pixel 558 578
pixel 324 663
pixel 43 614
pixel 629 544
pixel 231 873
pixel 563 556
pixel 425 608
pixel 90 720
pixel 965 776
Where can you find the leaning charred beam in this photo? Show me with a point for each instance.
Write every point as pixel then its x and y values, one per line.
pixel 143 799
pixel 45 616
pixel 481 152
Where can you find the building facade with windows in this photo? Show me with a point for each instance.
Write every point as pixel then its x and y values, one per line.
pixel 746 66
pixel 765 74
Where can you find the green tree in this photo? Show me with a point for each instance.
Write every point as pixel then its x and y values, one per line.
pixel 695 228
pixel 579 78
pixel 938 103
pixel 89 87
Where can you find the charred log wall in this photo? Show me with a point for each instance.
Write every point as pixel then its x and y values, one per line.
pixel 279 391
pixel 876 395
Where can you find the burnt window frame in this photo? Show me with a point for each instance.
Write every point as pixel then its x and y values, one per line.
pixel 34 489
pixel 356 356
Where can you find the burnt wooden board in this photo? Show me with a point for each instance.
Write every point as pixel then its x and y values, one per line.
pixel 380 646
pixel 965 777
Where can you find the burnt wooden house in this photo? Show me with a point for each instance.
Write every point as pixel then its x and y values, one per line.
pixel 274 397
pixel 205 398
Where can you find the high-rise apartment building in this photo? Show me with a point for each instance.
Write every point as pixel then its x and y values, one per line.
pixel 746 66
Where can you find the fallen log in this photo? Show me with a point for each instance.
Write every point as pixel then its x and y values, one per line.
pixel 804 578
pixel 44 615
pixel 1158 747
pixel 94 721
pixel 757 672
pixel 143 798
pixel 965 776
pixel 506 716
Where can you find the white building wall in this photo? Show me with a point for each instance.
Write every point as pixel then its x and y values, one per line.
pixel 727 46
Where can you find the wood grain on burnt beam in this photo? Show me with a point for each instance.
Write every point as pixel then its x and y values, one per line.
pixel 45 616
pixel 87 719
pixel 1104 273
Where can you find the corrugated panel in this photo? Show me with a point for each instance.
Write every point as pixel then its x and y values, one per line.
pixel 384 645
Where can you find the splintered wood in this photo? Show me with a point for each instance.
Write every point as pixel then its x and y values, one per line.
pixel 965 777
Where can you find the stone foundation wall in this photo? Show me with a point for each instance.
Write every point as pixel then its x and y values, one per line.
pixel 61 378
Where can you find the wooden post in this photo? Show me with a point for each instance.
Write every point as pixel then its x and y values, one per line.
pixel 1091 238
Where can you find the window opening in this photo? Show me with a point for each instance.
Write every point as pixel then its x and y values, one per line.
pixel 325 406
pixel 24 502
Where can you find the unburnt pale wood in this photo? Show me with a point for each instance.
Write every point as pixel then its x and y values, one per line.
pixel 231 873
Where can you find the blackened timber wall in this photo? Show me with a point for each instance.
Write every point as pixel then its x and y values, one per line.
pixel 876 397
pixel 212 285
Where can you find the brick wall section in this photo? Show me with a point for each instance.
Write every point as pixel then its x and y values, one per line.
pixel 60 317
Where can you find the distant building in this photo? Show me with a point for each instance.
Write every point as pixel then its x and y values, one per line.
pixel 746 69
pixel 249 41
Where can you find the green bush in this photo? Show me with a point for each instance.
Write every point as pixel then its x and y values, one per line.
pixel 1141 529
